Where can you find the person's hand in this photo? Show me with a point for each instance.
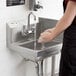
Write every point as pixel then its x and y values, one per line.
pixel 46 36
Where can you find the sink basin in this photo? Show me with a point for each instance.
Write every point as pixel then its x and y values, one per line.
pixel 36 51
pixel 34 45
pixel 28 47
pixel 43 50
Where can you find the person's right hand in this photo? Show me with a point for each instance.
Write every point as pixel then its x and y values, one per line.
pixel 46 36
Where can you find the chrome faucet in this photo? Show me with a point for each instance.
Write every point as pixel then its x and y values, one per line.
pixel 29 26
pixel 28 30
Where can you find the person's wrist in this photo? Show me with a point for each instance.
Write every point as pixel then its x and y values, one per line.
pixel 51 30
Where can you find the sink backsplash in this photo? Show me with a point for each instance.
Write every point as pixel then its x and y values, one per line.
pixel 14 31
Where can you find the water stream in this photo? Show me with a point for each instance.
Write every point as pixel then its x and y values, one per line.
pixel 35 37
pixel 35 40
pixel 43 46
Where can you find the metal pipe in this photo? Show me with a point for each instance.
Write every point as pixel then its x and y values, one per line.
pixel 53 66
pixel 42 68
pixel 37 67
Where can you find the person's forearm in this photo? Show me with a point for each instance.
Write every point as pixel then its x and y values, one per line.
pixel 64 23
pixel 61 25
pixel 67 19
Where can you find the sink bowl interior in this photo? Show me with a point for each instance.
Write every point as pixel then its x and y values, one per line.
pixel 34 45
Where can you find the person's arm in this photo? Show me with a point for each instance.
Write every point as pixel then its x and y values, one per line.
pixel 67 18
pixel 62 24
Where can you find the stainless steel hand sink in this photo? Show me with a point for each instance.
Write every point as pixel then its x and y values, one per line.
pixel 28 46
pixel 43 50
pixel 34 45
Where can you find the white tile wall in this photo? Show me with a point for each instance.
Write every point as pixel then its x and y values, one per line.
pixel 12 64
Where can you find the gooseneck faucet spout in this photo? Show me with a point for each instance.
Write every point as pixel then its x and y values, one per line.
pixel 28 25
pixel 28 30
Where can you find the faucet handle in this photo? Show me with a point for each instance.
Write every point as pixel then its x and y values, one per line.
pixel 37 6
pixel 25 31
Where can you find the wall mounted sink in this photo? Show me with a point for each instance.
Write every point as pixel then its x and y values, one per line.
pixel 28 47
pixel 42 50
